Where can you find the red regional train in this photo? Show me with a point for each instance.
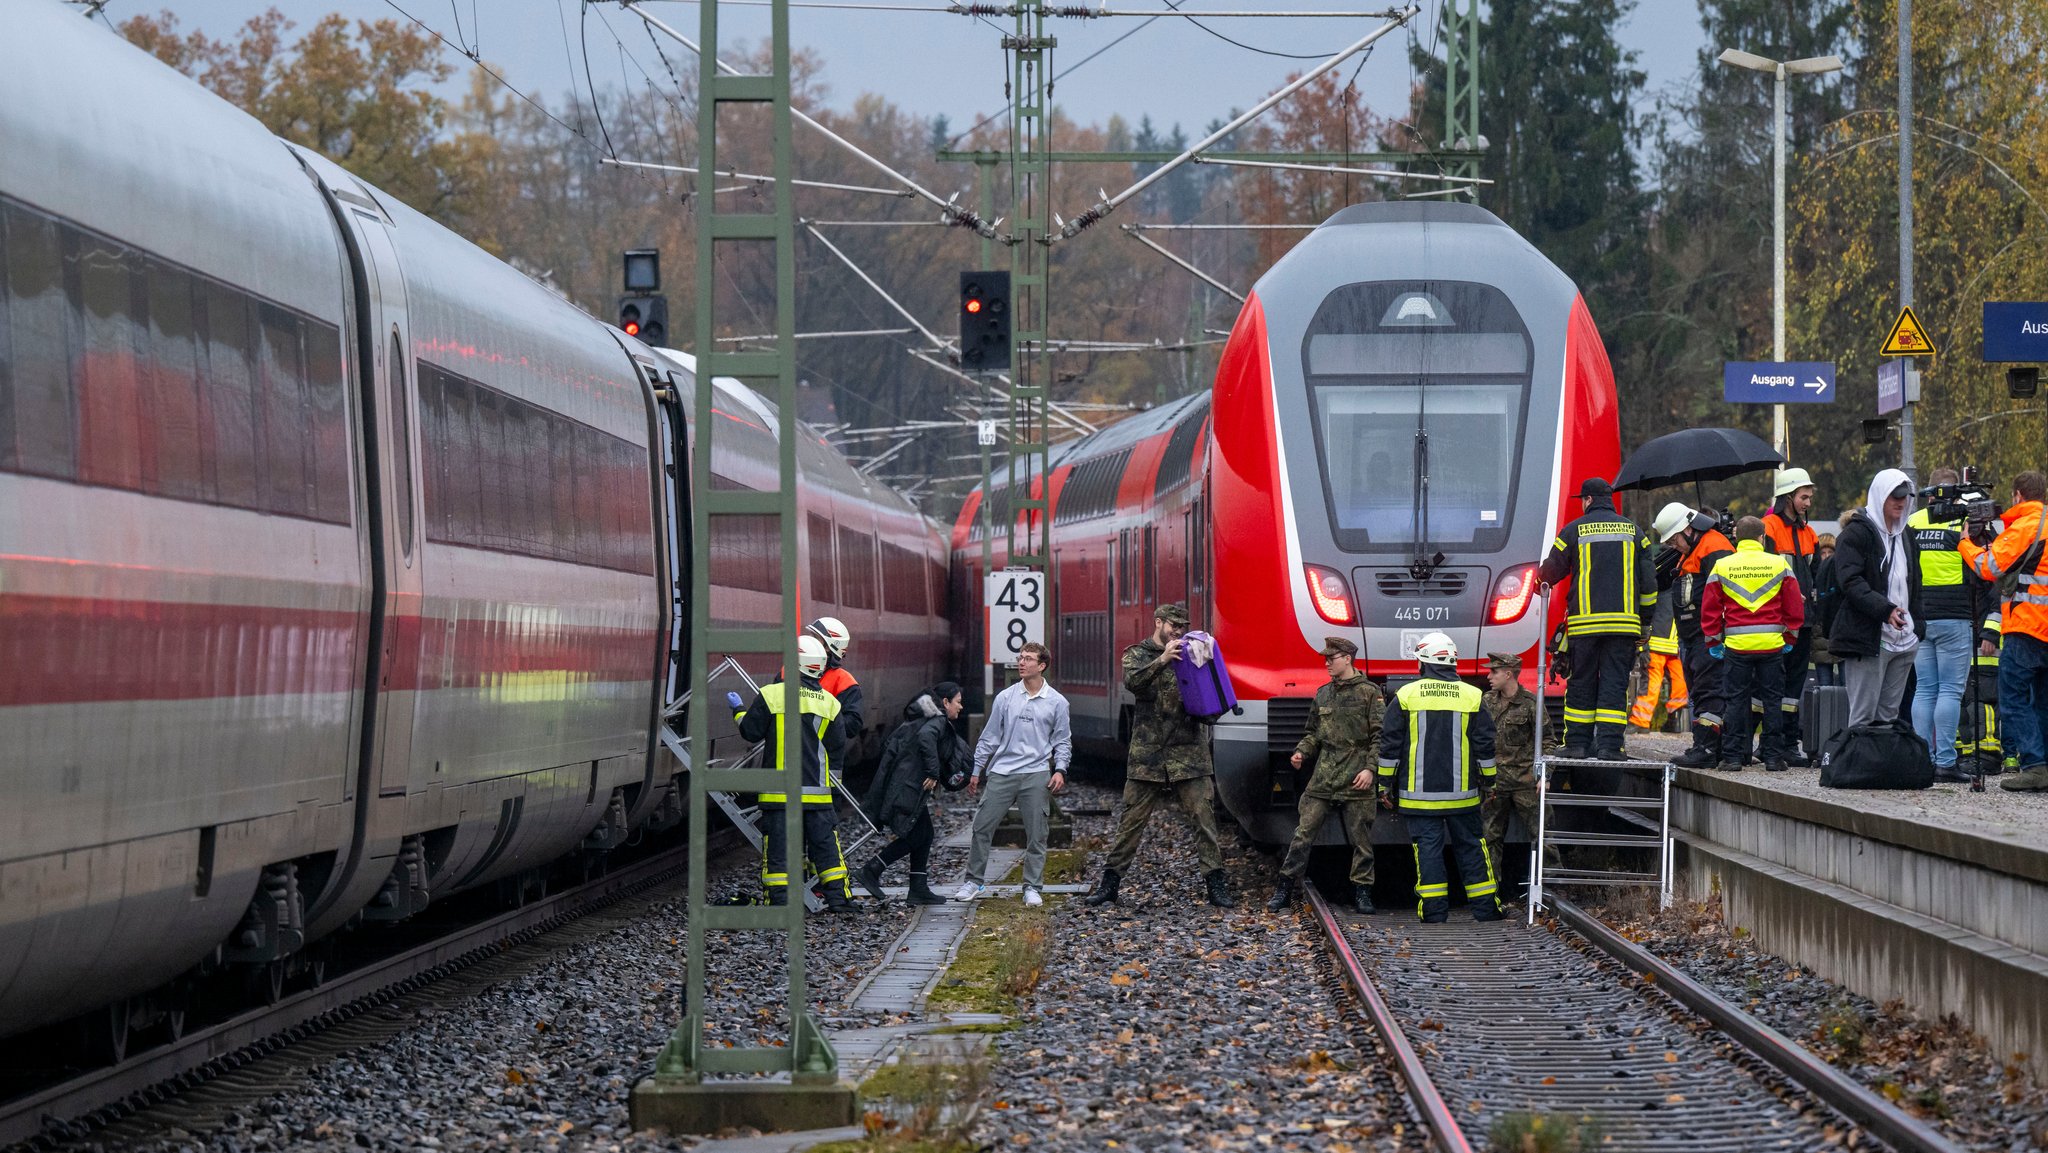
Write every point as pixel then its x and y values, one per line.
pixel 340 570
pixel 1400 409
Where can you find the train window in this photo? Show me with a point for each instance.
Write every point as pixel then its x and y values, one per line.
pixel 109 408
pixel 1197 550
pixel 1388 384
pixel 904 591
pixel 401 420
pixel 1151 566
pixel 327 395
pixel 856 569
pixel 38 353
pixel 172 395
pixel 562 487
pixel 1178 463
pixel 230 397
pixel 494 528
pixel 823 587
pixel 936 570
pixel 285 414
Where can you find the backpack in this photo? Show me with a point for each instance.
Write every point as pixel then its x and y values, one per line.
pixel 1827 597
pixel 1876 756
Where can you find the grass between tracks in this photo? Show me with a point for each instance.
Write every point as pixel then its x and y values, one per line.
pixel 1000 961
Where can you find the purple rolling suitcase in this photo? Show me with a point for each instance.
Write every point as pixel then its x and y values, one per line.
pixel 1205 690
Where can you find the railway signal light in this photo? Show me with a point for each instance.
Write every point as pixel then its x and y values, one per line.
pixel 645 317
pixel 985 321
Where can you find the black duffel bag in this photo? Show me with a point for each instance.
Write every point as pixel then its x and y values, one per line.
pixel 1881 756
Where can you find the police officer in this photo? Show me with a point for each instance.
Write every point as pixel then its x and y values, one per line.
pixel 1691 548
pixel 1514 755
pixel 1787 534
pixel 1342 740
pixel 1951 601
pixel 1614 594
pixel 1436 763
pixel 1753 608
pixel 820 740
pixel 839 682
pixel 1169 760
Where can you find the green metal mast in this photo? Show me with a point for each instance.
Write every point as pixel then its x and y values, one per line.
pixel 1031 371
pixel 1461 89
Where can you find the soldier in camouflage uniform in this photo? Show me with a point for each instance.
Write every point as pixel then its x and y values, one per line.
pixel 1514 753
pixel 1169 760
pixel 1343 740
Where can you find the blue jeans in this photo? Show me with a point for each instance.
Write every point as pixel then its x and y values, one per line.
pixel 1940 666
pixel 2023 697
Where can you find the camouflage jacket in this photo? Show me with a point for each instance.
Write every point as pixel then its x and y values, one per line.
pixel 1166 743
pixel 1514 741
pixel 1343 738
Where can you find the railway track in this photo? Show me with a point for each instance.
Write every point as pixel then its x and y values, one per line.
pixel 81 1105
pixel 1569 1018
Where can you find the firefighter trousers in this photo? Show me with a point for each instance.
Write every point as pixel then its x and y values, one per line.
pixel 1667 678
pixel 1596 697
pixel 821 849
pixel 1462 830
pixel 1703 674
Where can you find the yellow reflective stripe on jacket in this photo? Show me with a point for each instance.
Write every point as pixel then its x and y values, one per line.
pixel 1752 578
pixel 810 703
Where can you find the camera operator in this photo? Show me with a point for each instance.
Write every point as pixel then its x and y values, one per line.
pixel 1951 599
pixel 2016 556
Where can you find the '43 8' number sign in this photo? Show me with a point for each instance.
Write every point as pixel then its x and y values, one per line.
pixel 1015 604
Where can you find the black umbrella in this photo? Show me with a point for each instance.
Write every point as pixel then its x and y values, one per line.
pixel 1697 455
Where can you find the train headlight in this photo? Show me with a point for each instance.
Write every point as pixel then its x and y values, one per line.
pixel 1331 595
pixel 1511 595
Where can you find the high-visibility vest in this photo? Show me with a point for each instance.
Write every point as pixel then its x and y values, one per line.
pixel 1442 770
pixel 1751 579
pixel 819 709
pixel 1943 594
pixel 1664 625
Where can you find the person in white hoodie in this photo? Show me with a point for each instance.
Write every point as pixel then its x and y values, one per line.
pixel 1879 622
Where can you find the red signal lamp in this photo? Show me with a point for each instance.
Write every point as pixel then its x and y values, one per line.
pixel 973 305
pixel 632 328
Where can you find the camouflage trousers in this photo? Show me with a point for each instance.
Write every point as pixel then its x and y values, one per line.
pixel 1357 817
pixel 1499 807
pixel 1197 801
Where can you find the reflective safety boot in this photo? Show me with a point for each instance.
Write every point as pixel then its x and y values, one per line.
pixel 1105 889
pixel 1283 895
pixel 836 900
pixel 870 878
pixel 1219 889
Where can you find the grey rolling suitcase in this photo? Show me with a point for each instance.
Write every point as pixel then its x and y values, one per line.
pixel 1823 713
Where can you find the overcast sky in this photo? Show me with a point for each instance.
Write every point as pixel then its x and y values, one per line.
pixel 934 62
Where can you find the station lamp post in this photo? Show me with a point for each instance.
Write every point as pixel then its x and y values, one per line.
pixel 1809 66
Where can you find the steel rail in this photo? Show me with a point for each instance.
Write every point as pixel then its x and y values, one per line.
pixel 1846 1096
pixel 205 1053
pixel 1436 1114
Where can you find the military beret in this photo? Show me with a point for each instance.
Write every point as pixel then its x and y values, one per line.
pixel 1172 613
pixel 1511 662
pixel 1339 647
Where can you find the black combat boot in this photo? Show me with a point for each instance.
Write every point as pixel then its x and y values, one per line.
pixel 1361 900
pixel 870 878
pixel 1487 909
pixel 778 895
pixel 1219 890
pixel 1105 889
pixel 1572 753
pixel 1283 895
pixel 1705 751
pixel 921 891
pixel 836 900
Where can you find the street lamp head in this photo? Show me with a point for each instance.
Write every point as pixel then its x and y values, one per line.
pixel 1815 64
pixel 1751 60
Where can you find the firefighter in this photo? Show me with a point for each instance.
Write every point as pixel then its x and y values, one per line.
pixel 1977 743
pixel 839 682
pixel 2023 623
pixel 1691 548
pixel 1436 765
pixel 820 740
pixel 1752 609
pixel 1787 534
pixel 1613 596
pixel 1666 673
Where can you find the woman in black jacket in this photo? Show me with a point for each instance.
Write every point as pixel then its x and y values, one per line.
pixel 1879 624
pixel 921 753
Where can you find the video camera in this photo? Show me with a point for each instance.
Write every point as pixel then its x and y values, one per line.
pixel 1969 500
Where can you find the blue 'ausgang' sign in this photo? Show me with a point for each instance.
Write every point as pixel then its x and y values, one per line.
pixel 2015 331
pixel 1778 382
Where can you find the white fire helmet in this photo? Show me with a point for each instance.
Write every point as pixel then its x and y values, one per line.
pixel 810 656
pixel 833 632
pixel 1790 480
pixel 1436 649
pixel 1671 520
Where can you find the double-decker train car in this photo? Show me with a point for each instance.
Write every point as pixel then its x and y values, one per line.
pixel 340 564
pixel 1399 414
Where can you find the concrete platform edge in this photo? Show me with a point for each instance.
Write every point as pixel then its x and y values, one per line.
pixel 710 1106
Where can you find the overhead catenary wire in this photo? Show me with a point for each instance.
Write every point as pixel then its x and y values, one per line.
pixel 730 174
pixel 878 289
pixel 1203 276
pixel 1385 173
pixel 486 70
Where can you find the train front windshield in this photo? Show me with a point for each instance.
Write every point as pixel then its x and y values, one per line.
pixel 1408 380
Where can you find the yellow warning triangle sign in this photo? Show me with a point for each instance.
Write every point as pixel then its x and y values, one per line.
pixel 1907 338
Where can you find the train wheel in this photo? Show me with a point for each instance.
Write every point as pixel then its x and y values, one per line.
pixel 264 983
pixel 106 1033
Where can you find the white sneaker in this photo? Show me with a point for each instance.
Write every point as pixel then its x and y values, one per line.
pixel 1032 900
pixel 970 891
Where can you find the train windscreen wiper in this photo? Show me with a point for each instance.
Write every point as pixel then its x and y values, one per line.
pixel 1426 560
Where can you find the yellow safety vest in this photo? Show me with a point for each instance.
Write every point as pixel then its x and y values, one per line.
pixel 1752 578
pixel 811 703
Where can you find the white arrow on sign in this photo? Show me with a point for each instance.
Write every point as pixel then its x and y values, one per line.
pixel 1817 385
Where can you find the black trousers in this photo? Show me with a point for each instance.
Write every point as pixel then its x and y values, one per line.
pixel 1760 677
pixel 1709 701
pixel 1596 696
pixel 1796 663
pixel 1463 829
pixel 915 844
pixel 821 848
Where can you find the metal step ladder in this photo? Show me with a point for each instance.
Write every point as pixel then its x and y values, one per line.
pixel 747 818
pixel 1649 815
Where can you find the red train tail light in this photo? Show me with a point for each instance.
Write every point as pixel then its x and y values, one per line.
pixel 1332 597
pixel 1511 595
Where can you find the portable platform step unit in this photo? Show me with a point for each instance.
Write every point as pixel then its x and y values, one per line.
pixel 1649 816
pixel 747 818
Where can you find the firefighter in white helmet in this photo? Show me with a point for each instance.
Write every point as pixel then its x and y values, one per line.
pixel 839 682
pixel 820 741
pixel 1436 765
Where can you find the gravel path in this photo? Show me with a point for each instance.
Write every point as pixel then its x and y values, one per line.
pixel 1165 1025
pixel 1938 1070
pixel 537 1050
